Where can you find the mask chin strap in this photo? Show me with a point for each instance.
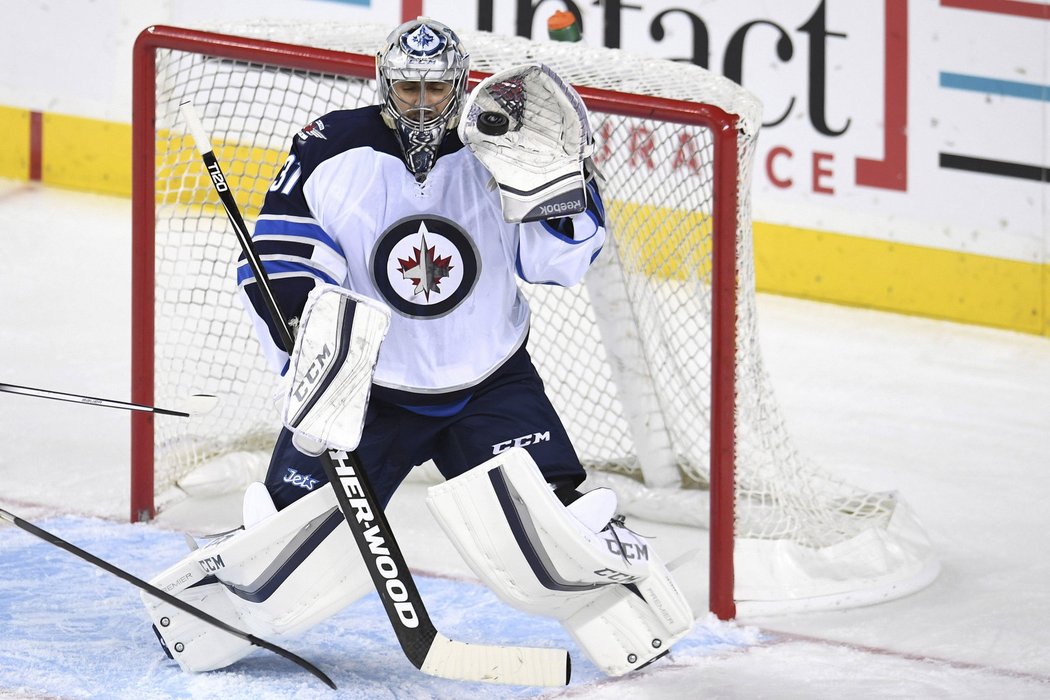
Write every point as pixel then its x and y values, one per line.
pixel 420 147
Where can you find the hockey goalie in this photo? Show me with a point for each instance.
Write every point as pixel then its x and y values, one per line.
pixel 396 236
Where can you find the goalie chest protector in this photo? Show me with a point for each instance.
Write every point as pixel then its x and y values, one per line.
pixel 345 210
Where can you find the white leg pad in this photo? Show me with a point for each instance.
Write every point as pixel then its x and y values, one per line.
pixel 195 644
pixel 622 631
pixel 279 577
pixel 538 557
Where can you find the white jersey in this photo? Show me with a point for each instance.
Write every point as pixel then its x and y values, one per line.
pixel 345 210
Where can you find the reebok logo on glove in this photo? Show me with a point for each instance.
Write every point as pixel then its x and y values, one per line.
pixel 573 206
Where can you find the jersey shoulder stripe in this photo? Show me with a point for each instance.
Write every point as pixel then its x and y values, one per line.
pixel 280 226
pixel 283 268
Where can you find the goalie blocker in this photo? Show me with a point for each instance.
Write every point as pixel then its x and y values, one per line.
pixel 329 378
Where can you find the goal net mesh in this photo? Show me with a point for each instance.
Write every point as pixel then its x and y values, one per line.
pixel 626 357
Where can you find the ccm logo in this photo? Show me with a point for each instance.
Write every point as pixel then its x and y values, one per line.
pixel 561 207
pixel 212 563
pixel 617 576
pixel 313 373
pixel 628 550
pixel 217 178
pixel 521 442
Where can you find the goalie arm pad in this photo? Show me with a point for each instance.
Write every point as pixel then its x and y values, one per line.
pixel 530 129
pixel 567 563
pixel 326 388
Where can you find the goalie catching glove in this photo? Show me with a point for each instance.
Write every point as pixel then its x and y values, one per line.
pixel 530 129
pixel 329 378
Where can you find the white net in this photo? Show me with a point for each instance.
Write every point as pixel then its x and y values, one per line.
pixel 639 415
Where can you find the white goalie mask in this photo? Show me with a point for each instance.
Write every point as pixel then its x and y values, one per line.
pixel 421 72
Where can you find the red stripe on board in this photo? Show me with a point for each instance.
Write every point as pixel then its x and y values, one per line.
pixel 410 9
pixel 1003 7
pixel 36 145
pixel 891 172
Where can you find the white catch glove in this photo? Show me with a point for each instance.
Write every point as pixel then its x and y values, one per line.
pixel 330 373
pixel 530 129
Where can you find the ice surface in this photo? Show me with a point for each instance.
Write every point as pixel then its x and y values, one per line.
pixel 956 418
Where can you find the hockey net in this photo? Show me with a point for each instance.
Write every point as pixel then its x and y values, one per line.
pixel 653 362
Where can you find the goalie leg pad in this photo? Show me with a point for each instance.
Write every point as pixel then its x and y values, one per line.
pixel 526 546
pixel 631 626
pixel 279 577
pixel 539 557
pixel 293 569
pixel 195 644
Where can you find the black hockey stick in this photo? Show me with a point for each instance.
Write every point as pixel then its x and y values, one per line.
pixel 427 649
pixel 158 593
pixel 195 404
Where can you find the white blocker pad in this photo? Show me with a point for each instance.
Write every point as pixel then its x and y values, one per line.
pixel 330 371
pixel 603 582
pixel 277 578
pixel 530 129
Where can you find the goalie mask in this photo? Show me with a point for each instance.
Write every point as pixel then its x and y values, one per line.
pixel 421 72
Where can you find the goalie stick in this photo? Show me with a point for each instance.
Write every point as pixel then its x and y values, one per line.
pixel 427 649
pixel 196 404
pixel 158 593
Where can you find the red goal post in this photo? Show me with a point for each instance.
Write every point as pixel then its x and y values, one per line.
pixel 689 239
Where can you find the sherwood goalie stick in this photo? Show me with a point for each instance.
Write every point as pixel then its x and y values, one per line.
pixel 158 593
pixel 196 404
pixel 427 649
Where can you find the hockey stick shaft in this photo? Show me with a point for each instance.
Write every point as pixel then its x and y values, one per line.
pixel 364 515
pixel 200 403
pixel 158 593
pixel 410 621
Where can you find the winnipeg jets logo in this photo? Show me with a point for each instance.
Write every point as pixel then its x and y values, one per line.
pixel 314 128
pixel 424 267
pixel 422 41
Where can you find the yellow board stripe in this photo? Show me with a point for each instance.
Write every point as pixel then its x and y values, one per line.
pixel 902 278
pixel 182 179
pixel 661 242
pixel 95 155
pixel 14 156
pixel 87 154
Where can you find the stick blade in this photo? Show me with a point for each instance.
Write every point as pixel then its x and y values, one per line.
pixel 497 664
pixel 199 404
